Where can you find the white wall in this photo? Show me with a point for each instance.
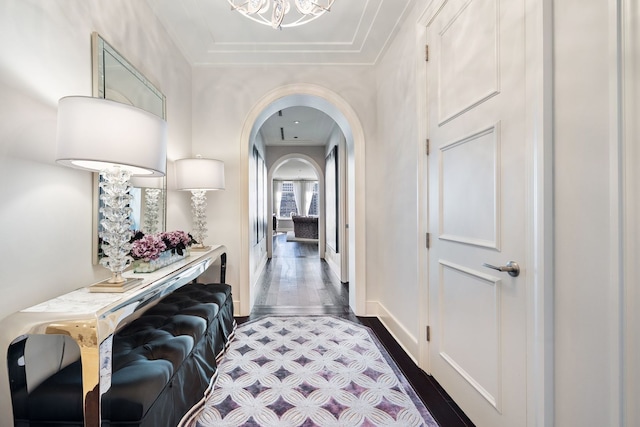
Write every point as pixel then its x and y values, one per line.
pixel 392 205
pixel 46 209
pixel 586 306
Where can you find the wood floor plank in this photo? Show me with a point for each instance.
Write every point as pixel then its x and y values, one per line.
pixel 297 277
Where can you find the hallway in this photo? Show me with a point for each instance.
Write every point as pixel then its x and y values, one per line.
pixel 297 281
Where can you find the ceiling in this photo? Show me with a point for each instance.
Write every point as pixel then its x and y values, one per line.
pixel 297 126
pixel 209 33
pixel 354 32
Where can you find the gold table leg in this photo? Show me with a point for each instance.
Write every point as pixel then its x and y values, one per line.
pixel 85 335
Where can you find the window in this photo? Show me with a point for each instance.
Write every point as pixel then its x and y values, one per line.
pixel 313 209
pixel 288 201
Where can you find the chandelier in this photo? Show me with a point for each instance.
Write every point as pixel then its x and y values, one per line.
pixel 280 13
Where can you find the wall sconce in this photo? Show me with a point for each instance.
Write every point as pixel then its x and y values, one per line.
pixel 199 176
pixel 118 141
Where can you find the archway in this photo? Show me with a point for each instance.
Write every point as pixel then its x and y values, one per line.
pixel 320 175
pixel 341 112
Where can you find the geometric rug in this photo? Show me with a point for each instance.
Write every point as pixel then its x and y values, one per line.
pixel 308 371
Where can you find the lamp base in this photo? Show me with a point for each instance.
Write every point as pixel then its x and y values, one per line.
pixel 108 287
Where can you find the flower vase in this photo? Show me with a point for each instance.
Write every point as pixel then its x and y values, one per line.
pixel 166 258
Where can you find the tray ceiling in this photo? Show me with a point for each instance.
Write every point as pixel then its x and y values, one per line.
pixel 208 32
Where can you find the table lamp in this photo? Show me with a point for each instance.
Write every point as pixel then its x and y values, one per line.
pixel 152 199
pixel 117 141
pixel 199 175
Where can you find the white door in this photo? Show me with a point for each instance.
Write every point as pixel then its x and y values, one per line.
pixel 477 207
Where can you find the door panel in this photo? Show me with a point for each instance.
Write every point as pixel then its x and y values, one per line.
pixel 477 200
pixel 469 56
pixel 471 167
pixel 478 294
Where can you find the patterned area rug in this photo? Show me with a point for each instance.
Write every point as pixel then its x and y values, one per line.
pixel 308 371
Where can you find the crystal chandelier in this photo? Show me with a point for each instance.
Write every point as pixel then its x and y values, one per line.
pixel 279 13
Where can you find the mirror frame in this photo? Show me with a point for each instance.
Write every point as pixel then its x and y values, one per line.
pixel 100 47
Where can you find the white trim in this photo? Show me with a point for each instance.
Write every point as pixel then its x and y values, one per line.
pixel 406 340
pixel 260 268
pixel 630 147
pixel 333 266
pixel 539 132
pixel 615 340
pixel 343 114
pixel 236 308
pixel 423 185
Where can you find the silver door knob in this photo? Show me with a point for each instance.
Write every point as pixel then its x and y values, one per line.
pixel 512 268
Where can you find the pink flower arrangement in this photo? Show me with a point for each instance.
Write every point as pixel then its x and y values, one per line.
pixel 178 240
pixel 149 247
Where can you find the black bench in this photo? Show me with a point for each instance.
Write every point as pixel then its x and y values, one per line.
pixel 162 364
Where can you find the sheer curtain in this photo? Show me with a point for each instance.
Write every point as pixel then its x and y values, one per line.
pixel 298 194
pixel 278 197
pixel 308 195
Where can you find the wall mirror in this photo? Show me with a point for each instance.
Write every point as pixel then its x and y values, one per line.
pixel 116 79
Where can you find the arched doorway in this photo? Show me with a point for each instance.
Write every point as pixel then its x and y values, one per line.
pixel 320 177
pixel 345 117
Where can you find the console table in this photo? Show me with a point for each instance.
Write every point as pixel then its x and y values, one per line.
pixel 91 319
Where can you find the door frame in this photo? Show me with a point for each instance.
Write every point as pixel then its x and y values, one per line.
pixel 626 19
pixel 539 233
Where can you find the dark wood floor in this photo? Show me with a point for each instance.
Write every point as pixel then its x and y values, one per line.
pixel 297 282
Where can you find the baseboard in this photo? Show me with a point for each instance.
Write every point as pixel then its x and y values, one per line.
pixel 373 308
pixel 407 340
pixel 260 269
pixel 255 277
pixel 255 281
pixel 335 269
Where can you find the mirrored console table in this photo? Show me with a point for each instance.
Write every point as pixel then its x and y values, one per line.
pixel 91 319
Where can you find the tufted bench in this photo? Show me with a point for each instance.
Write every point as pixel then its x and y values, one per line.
pixel 162 364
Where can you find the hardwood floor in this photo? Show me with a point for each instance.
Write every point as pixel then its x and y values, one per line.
pixel 297 282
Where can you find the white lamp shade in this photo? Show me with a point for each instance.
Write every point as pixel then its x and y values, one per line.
pixel 144 181
pixel 199 174
pixel 96 133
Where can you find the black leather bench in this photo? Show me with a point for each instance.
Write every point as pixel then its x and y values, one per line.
pixel 162 364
